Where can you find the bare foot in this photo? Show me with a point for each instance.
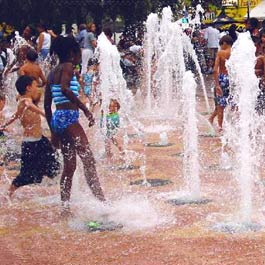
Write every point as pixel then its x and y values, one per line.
pixel 66 211
pixel 220 132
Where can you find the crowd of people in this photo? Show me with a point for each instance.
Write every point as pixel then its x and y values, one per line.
pixel 213 49
pixel 72 85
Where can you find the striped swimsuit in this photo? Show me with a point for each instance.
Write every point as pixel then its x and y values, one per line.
pixel 62 119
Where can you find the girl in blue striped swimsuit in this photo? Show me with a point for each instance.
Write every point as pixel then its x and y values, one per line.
pixel 62 88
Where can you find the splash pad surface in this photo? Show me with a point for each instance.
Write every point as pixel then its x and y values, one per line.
pixel 33 232
pixel 136 226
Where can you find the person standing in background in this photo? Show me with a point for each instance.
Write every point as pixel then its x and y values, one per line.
pixel 90 43
pixel 80 38
pixel 212 36
pixel 43 41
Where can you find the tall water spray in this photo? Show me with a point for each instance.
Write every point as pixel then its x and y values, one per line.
pixel 171 65
pixel 176 91
pixel 189 50
pixel 242 135
pixel 165 45
pixel 190 136
pixel 113 85
pixel 152 24
pixel 191 192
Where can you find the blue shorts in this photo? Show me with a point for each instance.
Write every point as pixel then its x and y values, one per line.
pixel 44 53
pixel 224 84
pixel 61 119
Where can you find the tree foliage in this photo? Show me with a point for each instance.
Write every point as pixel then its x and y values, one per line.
pixel 22 12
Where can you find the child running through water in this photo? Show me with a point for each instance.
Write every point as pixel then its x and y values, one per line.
pixel 62 88
pixel 37 155
pixel 221 80
pixel 112 126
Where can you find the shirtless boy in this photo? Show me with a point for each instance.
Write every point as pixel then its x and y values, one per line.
pixel 31 68
pixel 221 79
pixel 37 154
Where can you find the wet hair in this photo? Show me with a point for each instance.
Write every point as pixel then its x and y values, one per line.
pixel 93 61
pixel 227 39
pixel 22 83
pixel 32 55
pixel 63 46
pixel 116 102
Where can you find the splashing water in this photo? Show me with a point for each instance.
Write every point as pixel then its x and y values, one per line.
pixel 165 47
pixel 190 142
pixel 113 85
pixel 241 135
pixel 152 25
pixel 190 136
pixel 163 138
pixel 133 212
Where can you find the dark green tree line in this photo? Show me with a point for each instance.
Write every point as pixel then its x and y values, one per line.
pixel 22 12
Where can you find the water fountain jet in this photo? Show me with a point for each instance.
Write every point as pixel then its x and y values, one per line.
pixel 241 130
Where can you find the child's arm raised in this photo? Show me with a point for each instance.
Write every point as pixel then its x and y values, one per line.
pixel 29 105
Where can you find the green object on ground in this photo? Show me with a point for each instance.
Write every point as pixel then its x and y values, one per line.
pixel 93 224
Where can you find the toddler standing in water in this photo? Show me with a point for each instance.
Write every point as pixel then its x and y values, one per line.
pixel 112 126
pixel 37 154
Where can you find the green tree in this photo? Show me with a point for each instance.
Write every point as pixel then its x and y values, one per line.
pixel 23 12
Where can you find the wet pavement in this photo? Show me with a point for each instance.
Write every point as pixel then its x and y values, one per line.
pixel 153 231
